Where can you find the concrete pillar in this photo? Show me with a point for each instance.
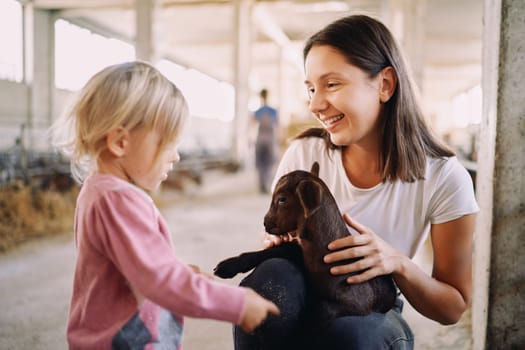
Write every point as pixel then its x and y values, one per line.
pixel 286 79
pixel 242 65
pixel 406 20
pixel 39 69
pixel 498 312
pixel 144 34
pixel 282 88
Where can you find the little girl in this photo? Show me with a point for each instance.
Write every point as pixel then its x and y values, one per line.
pixel 130 291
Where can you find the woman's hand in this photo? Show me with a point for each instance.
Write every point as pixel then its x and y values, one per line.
pixel 442 297
pixel 269 240
pixel 378 257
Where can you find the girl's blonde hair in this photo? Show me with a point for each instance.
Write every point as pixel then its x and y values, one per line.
pixel 131 95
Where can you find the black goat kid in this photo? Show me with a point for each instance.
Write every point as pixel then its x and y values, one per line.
pixel 303 206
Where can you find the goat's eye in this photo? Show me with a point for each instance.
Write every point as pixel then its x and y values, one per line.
pixel 281 200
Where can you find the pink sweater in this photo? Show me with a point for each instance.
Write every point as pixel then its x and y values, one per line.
pixel 129 287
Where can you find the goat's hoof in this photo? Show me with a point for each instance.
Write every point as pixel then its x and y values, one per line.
pixel 225 269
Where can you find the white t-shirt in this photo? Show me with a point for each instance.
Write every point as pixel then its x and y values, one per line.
pixel 400 212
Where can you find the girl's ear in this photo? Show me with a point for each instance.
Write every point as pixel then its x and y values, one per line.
pixel 117 141
pixel 388 83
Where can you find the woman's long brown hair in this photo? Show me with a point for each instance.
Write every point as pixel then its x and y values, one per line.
pixel 406 138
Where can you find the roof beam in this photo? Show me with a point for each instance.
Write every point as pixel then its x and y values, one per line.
pixel 267 25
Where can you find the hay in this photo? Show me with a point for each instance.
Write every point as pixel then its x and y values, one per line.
pixel 27 212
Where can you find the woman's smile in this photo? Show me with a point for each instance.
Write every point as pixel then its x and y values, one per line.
pixel 332 122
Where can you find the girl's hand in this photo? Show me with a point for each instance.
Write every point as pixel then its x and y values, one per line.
pixel 197 269
pixel 378 257
pixel 256 310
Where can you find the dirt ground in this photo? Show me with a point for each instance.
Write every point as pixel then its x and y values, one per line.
pixel 220 218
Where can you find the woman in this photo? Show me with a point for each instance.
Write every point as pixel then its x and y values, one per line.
pixel 395 182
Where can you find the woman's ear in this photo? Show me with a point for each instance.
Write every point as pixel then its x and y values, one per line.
pixel 388 83
pixel 117 141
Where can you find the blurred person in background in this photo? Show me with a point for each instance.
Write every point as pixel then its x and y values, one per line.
pixel 267 119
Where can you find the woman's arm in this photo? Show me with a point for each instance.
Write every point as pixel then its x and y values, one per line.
pixel 445 295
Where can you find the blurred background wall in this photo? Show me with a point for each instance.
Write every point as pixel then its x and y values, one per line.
pixel 221 53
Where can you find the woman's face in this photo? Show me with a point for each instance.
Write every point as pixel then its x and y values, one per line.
pixel 342 96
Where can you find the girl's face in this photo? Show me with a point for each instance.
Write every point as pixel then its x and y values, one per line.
pixel 342 96
pixel 144 164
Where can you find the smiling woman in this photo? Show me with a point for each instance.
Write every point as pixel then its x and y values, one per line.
pixel 396 183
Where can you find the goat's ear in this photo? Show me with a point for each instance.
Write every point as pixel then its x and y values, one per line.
pixel 315 169
pixel 309 194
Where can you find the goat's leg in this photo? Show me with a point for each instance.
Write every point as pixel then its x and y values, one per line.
pixel 247 261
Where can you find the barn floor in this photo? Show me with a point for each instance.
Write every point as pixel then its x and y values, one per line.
pixel 217 219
